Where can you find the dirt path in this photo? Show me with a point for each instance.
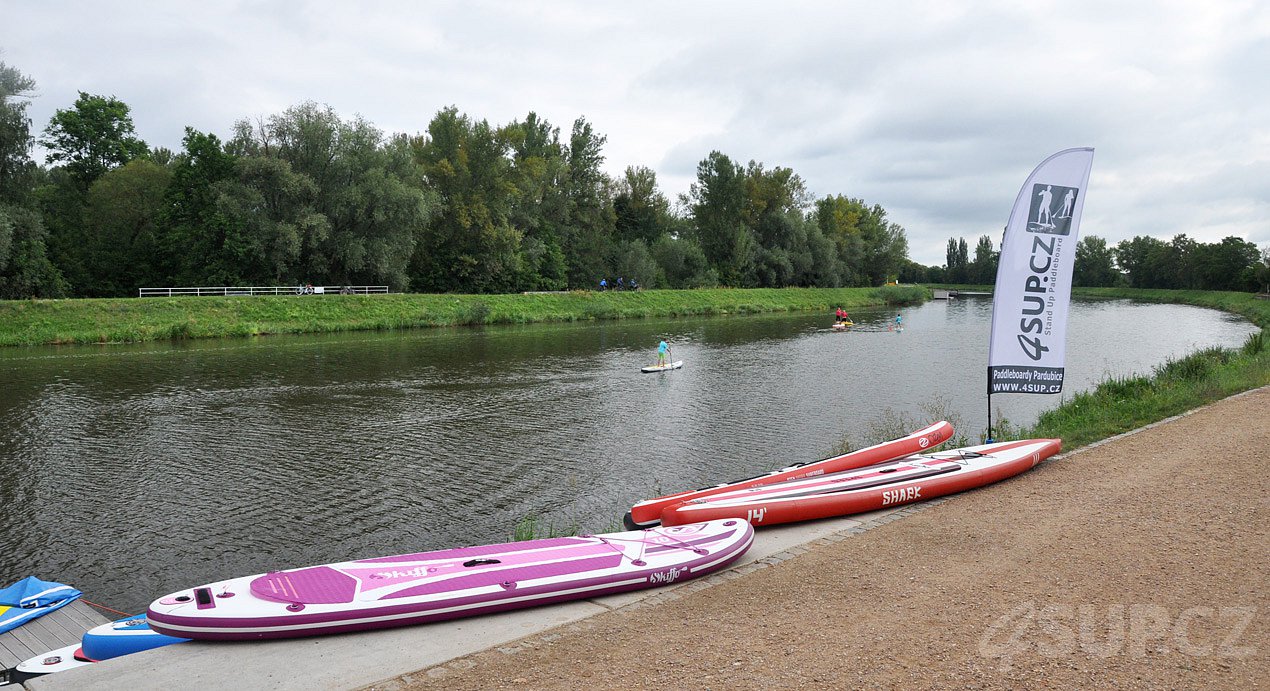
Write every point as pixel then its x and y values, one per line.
pixel 1141 562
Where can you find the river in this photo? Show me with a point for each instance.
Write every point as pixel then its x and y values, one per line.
pixel 132 471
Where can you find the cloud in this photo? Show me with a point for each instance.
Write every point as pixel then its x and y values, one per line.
pixel 937 111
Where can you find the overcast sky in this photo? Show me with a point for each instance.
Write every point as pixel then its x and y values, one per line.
pixel 937 111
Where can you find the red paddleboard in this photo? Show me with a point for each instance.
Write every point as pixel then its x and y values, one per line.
pixel 647 513
pixel 867 489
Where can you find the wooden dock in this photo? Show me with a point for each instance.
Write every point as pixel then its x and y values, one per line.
pixel 54 630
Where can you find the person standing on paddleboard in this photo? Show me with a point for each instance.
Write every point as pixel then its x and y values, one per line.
pixel 662 351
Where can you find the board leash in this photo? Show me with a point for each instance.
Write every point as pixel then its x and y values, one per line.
pixel 108 609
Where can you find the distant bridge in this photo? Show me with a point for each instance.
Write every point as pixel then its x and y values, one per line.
pixel 950 294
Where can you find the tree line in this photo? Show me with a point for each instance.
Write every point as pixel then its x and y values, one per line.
pixel 1143 262
pixel 306 196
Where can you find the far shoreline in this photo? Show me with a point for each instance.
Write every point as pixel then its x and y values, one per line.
pixel 136 320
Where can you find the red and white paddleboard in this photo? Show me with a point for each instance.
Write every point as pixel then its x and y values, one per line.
pixel 648 512
pixel 902 481
pixel 447 584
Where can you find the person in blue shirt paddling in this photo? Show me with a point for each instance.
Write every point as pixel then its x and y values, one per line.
pixel 662 351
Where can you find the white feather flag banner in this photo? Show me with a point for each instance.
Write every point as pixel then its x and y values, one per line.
pixel 1034 277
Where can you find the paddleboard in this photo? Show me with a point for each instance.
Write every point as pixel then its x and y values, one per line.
pixel 58 660
pixel 446 584
pixel 897 482
pixel 842 326
pixel 662 368
pixel 122 637
pixel 648 512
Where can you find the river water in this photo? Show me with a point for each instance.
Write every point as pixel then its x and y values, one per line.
pixel 133 471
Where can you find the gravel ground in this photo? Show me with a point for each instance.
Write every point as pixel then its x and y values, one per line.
pixel 1137 563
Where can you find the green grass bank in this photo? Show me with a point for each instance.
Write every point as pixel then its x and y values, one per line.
pixel 1116 405
pixel 130 320
pixel 1122 404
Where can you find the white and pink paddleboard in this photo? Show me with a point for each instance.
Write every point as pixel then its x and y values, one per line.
pixel 447 584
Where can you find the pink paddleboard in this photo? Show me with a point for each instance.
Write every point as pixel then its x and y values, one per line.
pixel 446 584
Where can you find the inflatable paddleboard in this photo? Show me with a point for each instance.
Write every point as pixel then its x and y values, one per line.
pixel 842 326
pixel 662 368
pixel 446 584
pixel 58 660
pixel 122 637
pixel 893 483
pixel 648 512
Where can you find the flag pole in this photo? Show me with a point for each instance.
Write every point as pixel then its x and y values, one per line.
pixel 989 440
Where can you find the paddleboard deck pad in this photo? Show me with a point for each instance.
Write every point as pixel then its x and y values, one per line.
pixel 446 584
pixel 901 481
pixel 663 368
pixel 648 512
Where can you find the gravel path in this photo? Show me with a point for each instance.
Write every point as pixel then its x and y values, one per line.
pixel 1140 562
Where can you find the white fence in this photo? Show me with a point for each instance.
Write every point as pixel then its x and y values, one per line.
pixel 260 290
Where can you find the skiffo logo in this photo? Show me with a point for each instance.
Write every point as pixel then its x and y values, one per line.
pixel 668 576
pixel 1052 207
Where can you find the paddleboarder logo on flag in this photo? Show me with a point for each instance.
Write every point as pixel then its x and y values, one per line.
pixel 1034 277
pixel 1044 217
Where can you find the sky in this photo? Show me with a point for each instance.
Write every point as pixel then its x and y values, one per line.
pixel 937 111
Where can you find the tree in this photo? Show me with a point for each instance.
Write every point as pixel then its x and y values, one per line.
pixel 540 208
pixel 470 245
pixel 838 220
pixel 682 264
pixel 717 200
pixel 957 258
pixel 983 269
pixel 1227 265
pixel 588 232
pixel 885 246
pixel 1261 271
pixel 124 207
pixel 640 210
pixel 788 252
pixel 348 207
pixel 25 270
pixel 15 135
pixel 1135 258
pixel 1094 264
pixel 94 136
pixel 192 229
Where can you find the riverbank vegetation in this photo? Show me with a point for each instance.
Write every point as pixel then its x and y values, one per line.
pixel 1143 262
pixel 127 320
